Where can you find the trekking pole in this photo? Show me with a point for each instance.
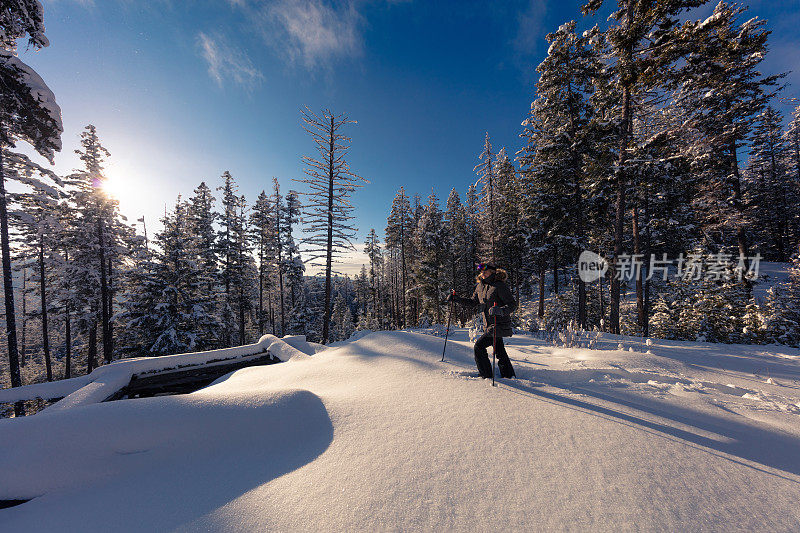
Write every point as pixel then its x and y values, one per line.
pixel 494 344
pixel 447 331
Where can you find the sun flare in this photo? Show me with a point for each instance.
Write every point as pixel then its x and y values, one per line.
pixel 114 186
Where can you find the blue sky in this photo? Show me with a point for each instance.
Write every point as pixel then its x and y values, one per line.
pixel 182 90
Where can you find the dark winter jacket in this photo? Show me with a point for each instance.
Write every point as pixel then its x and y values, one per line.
pixel 488 292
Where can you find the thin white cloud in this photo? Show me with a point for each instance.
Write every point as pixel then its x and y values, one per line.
pixel 308 33
pixel 226 63
pixel 530 28
pixel 312 32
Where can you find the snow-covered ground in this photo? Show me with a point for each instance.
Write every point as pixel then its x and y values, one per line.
pixel 377 434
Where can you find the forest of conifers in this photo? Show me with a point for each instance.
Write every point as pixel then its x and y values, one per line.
pixel 655 138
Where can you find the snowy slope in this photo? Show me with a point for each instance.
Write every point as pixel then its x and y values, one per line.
pixel 377 434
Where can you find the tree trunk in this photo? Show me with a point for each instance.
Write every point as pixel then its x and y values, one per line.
pixel 542 272
pixel 261 292
pixel 326 317
pixel 602 304
pixel 271 317
pixel 283 308
pixel 227 310
pixel 104 303
pixel 403 269
pixel 738 205
pixel 648 251
pixel 621 181
pixel 555 268
pixel 8 290
pixel 280 259
pixel 23 347
pixel 641 319
pixel 67 330
pixel 241 313
pixel 91 359
pixel 68 344
pixel 43 294
pixel 110 309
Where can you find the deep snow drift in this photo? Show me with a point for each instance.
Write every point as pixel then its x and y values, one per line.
pixel 377 434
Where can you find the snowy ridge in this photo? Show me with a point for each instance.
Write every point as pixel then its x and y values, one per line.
pixel 377 434
pixel 106 380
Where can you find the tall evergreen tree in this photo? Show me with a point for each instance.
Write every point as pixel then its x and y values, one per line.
pixel 399 231
pixel 262 226
pixel 29 113
pixel 232 251
pixel 564 111
pixel 722 92
pixel 456 246
pixel 96 237
pixel 39 231
pixel 640 42
pixel 201 217
pixel 279 216
pixel 375 255
pixel 292 262
pixel 771 191
pixel 488 200
pixel 430 270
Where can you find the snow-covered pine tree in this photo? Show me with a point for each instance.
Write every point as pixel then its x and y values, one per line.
pixel 430 267
pixel 278 216
pixel 328 211
pixel 29 113
pixel 303 319
pixel 262 233
pixel 662 190
pixel 180 307
pixel 201 218
pixel 292 262
pixel 362 297
pixel 39 233
pixel 640 46
pixel 792 139
pixel 782 309
pixel 563 113
pixel 245 271
pixel 511 234
pixel 342 319
pixel 487 238
pixel 139 316
pixel 399 231
pixel 770 190
pixel 722 92
pixel 456 243
pixel 792 164
pixel 64 294
pixel 232 248
pixel 472 221
pixel 96 238
pixel 373 250
pixel 534 209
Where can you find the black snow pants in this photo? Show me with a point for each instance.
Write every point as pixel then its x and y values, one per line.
pixel 482 356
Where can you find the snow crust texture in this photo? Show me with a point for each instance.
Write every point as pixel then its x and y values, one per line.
pixel 379 435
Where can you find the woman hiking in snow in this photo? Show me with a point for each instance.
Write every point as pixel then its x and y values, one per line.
pixel 493 297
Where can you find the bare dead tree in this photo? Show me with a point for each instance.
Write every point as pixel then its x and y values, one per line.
pixel 328 211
